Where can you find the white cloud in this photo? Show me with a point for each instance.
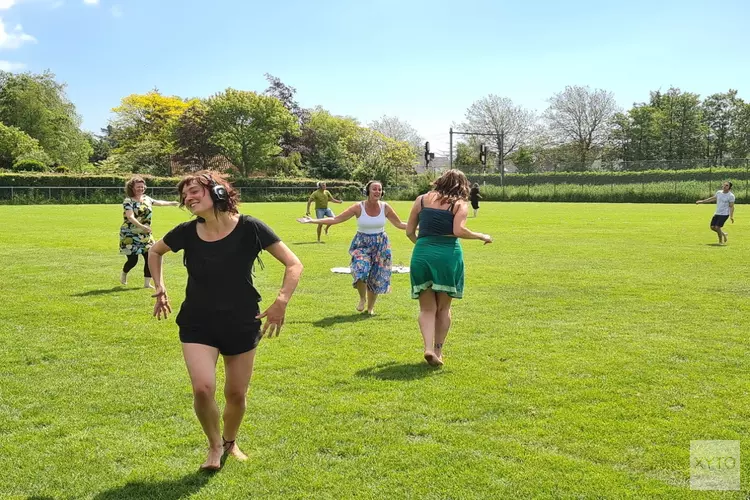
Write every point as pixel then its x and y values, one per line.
pixel 116 11
pixel 7 4
pixel 11 66
pixel 15 38
pixel 89 2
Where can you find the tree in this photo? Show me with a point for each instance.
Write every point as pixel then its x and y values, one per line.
pixel 583 117
pixel 290 142
pixel 328 140
pixel 523 159
pixel 38 105
pixel 15 145
pixel 679 120
pixel 498 115
pixel 740 146
pixel 147 117
pixel 635 134
pixel 393 127
pixel 377 156
pixel 143 128
pixel 248 127
pixel 192 135
pixel 720 112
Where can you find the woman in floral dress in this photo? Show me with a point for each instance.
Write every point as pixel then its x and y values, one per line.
pixel 135 232
pixel 370 249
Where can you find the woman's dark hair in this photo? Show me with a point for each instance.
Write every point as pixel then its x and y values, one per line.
pixel 452 186
pixel 476 185
pixel 366 189
pixel 208 179
pixel 730 184
pixel 130 185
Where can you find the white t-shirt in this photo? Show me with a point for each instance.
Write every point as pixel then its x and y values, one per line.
pixel 722 202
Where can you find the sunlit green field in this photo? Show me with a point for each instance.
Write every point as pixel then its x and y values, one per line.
pixel 593 344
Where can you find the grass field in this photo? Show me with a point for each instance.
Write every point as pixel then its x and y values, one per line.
pixel 593 344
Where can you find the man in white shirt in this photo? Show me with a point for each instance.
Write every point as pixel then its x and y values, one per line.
pixel 724 199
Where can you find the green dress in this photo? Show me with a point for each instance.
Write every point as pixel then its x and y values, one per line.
pixel 437 261
pixel 133 241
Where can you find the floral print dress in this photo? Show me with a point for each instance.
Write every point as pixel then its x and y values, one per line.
pixel 133 241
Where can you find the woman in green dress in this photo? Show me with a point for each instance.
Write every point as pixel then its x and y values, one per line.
pixel 437 263
pixel 135 232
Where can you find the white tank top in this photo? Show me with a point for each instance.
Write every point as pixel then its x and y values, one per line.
pixel 371 225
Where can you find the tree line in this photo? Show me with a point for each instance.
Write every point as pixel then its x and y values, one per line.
pixel 583 128
pixel 269 134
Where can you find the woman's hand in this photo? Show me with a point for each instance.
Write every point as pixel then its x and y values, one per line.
pixel 486 238
pixel 274 318
pixel 162 303
pixel 304 220
pixel 145 229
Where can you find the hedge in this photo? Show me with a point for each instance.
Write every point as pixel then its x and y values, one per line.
pixel 8 179
pixel 595 178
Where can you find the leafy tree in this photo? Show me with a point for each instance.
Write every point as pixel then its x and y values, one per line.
pixel 248 127
pixel 38 105
pixel 679 122
pixel 523 159
pixel 720 113
pixel 379 157
pixel 16 145
pixel 291 141
pixel 193 137
pixel 740 145
pixel 328 138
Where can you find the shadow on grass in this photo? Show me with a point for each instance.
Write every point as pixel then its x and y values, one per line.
pixel 105 291
pixel 341 318
pixel 396 371
pixel 166 490
pixel 308 243
pixel 715 245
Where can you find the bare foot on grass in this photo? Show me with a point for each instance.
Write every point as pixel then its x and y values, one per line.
pixel 232 450
pixel 213 461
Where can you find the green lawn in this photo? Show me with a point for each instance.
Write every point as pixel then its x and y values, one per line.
pixel 593 344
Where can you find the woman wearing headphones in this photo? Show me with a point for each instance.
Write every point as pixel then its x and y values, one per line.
pixel 220 314
pixel 370 248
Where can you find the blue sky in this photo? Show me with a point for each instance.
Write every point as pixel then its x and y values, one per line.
pixel 423 61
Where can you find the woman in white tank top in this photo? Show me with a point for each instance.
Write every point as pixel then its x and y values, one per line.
pixel 370 249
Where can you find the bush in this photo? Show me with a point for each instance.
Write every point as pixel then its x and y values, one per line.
pixel 29 165
pixel 61 169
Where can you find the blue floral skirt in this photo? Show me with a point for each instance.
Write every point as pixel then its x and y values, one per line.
pixel 371 261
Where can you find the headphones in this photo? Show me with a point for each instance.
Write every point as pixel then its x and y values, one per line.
pixel 218 193
pixel 366 189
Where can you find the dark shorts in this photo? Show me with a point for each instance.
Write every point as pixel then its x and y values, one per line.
pixel 228 339
pixel 719 220
pixel 475 204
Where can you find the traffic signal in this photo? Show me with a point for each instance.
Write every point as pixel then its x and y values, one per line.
pixel 483 154
pixel 427 151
